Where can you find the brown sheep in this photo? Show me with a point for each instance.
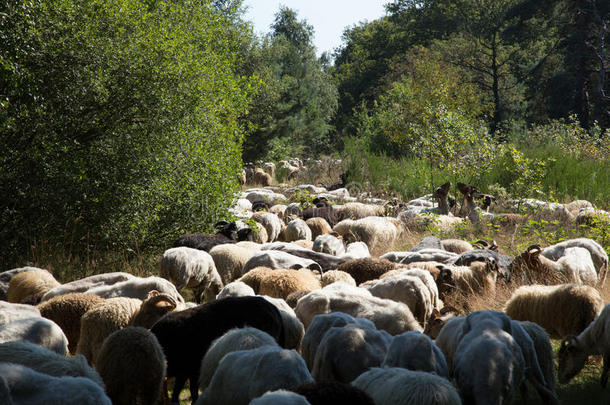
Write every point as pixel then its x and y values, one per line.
pixel 561 309
pixel 281 283
pixel 259 177
pixel 331 276
pixel 67 311
pixel 254 277
pixel 307 244
pixel 456 245
pixel 319 226
pixel 27 283
pixel 367 268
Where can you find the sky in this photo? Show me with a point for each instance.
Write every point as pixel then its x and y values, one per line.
pixel 328 17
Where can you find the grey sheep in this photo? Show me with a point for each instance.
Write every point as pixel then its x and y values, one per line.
pixel 40 331
pixel 297 229
pixel 11 312
pixel 415 351
pixel 328 244
pixel 87 283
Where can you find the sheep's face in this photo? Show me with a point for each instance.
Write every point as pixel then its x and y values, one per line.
pixel 572 359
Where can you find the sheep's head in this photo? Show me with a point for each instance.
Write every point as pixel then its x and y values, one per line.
pixel 320 202
pixel 486 200
pixel 467 190
pixel 154 307
pixel 442 191
pixel 439 319
pixel 484 245
pixel 572 358
pixel 260 206
pixel 245 234
pixel 444 280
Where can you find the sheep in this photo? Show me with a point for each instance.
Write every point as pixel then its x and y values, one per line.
pixel 325 261
pixel 67 310
pixel 415 351
pixel 407 289
pixel 456 245
pixel 271 222
pixel 391 316
pixel 191 268
pixel 574 266
pixel 441 274
pixel 35 282
pixel 561 310
pixel 379 233
pixel 575 350
pixel 440 195
pixel 480 255
pixel 424 255
pixel 277 259
pixel 46 361
pixel 293 327
pixel 480 278
pixel 12 312
pixel 5 278
pixel 294 297
pixel 366 269
pixel 280 397
pixel 448 339
pixel 356 250
pixel 347 351
pixel 598 254
pixel 254 277
pixel 331 276
pixel 20 385
pixel 227 233
pixel 233 340
pixel 319 226
pixel 400 386
pixel 139 288
pixel 230 259
pixel 278 209
pixel 439 319
pixel 40 331
pixel 186 335
pixel 246 374
pixel 429 242
pixel 281 283
pixel 138 380
pixel 306 244
pixel 321 324
pixel 297 229
pixel 544 351
pixel 468 206
pixel 328 244
pixel 331 393
pixel 84 284
pixel 356 210
pixel 321 212
pixel 261 178
pixel 117 313
pixel 235 289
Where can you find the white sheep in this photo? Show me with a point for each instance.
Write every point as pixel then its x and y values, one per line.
pixel 247 374
pixel 293 327
pixel 575 350
pixel 598 254
pixel 328 244
pixel 230 259
pixel 478 278
pixel 379 233
pixel 424 255
pixel 20 385
pixel 271 222
pixel 235 289
pixel 297 229
pixel 138 288
pixel 415 351
pixel 87 283
pixel 347 351
pixel 46 361
pixel 332 276
pixel 191 268
pixel 40 331
pixel 132 364
pixel 276 259
pixel 356 250
pixel 399 386
pixel 428 280
pixel 11 312
pixel 409 290
pixel 233 340
pixel 386 314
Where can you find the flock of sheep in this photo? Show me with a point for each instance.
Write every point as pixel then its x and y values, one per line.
pixel 311 306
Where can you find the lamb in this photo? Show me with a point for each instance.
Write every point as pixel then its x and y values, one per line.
pixel 391 316
pixel 40 331
pixel 575 350
pixel 320 325
pixel 233 340
pixel 328 244
pixel 456 246
pixel 277 259
pixel 20 385
pixel 366 269
pixel 186 335
pixel 235 289
pixel 331 393
pixel 574 266
pixel 260 177
pixel 405 387
pixel 331 276
pixel 271 222
pixel 297 229
pixel 138 380
pixel 578 305
pixel 84 284
pixel 319 226
pixel 192 268
pixel 280 397
pixel 5 278
pixel 67 311
pixel 12 312
pixel 246 374
pixel 230 260
pixel 440 195
pixel 347 351
pixel 28 283
pixel 415 351
pixel 407 289
pixel 379 233
pixel 598 255
pixel 227 233
pixel 46 361
pixel 281 283
pixel 117 313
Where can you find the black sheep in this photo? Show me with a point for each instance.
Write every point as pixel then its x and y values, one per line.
pixel 227 233
pixel 185 336
pixel 333 393
pixel 323 210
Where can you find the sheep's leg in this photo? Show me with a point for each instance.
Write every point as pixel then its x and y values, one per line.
pixel 178 385
pixel 194 387
pixel 606 367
